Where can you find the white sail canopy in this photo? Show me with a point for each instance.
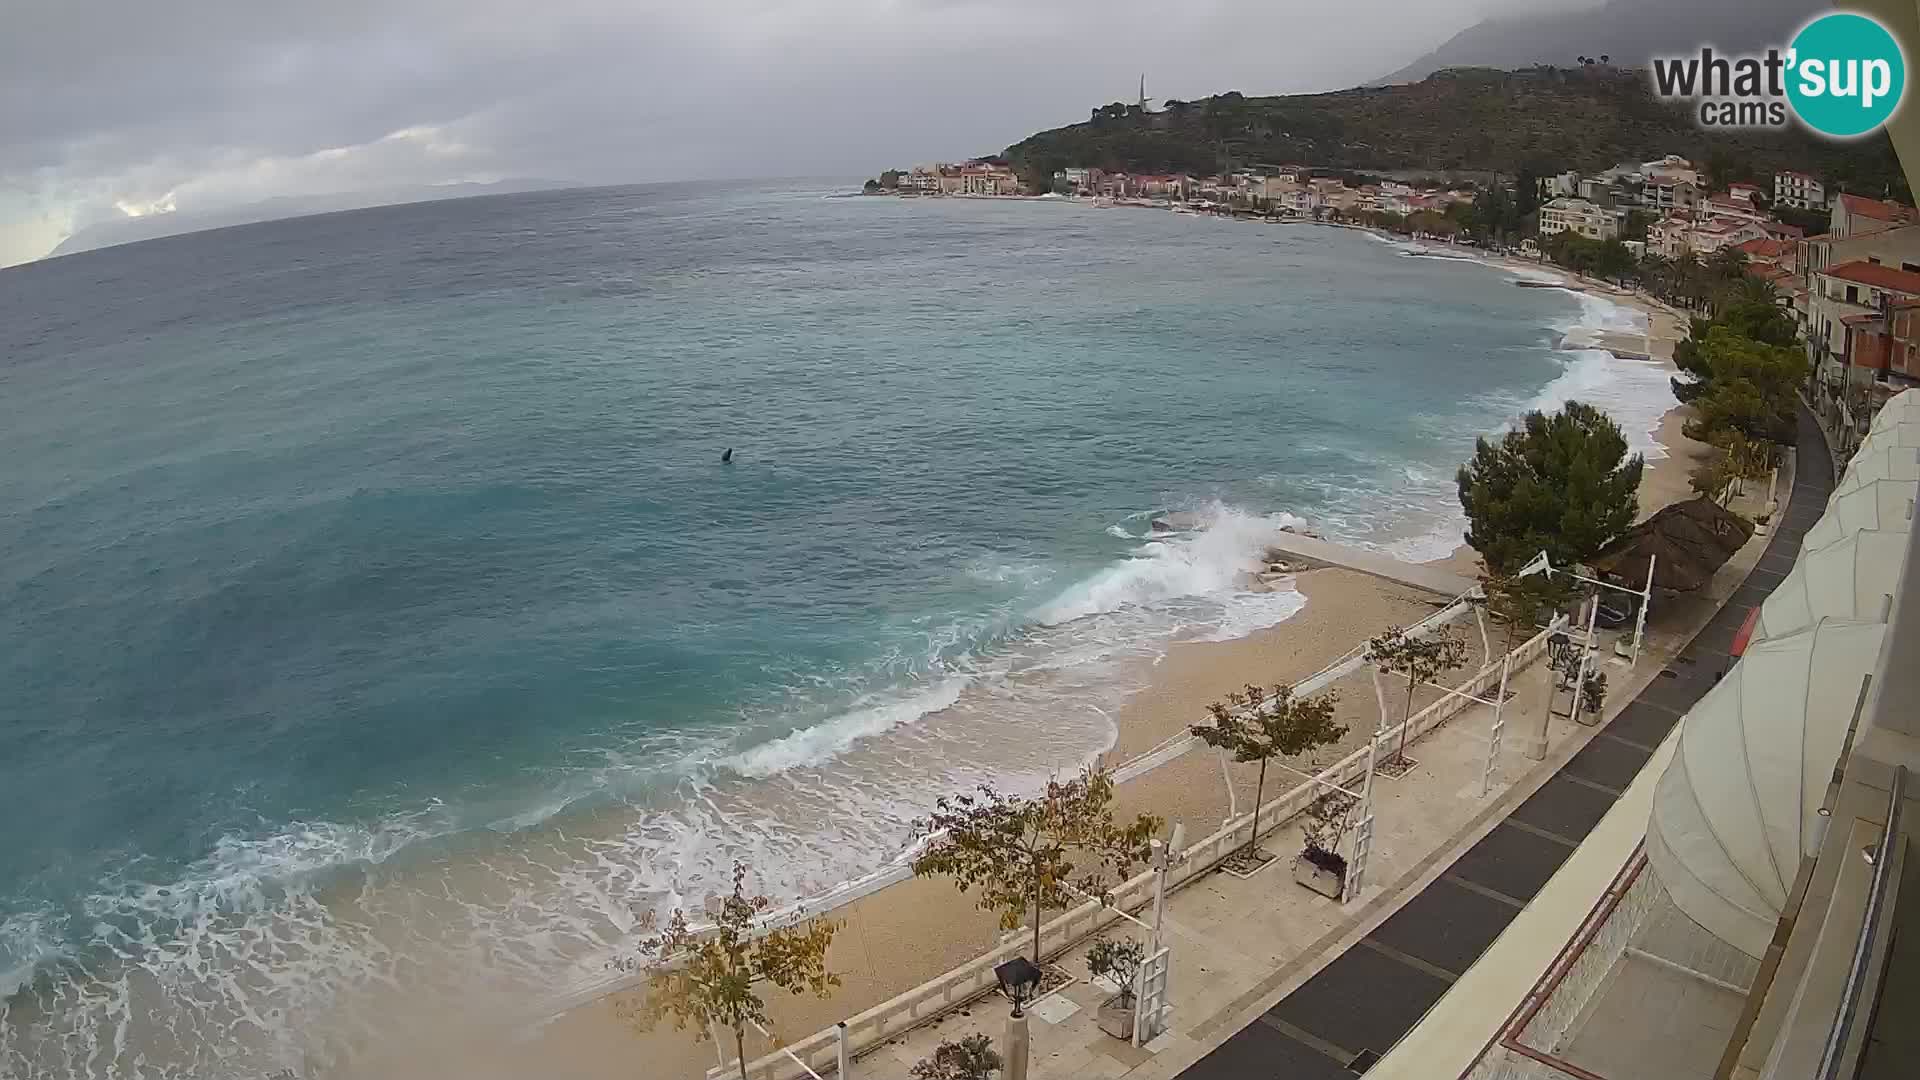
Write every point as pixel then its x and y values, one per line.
pixel 1738 805
pixel 1850 578
pixel 1901 408
pixel 1904 433
pixel 1881 463
pixel 1876 504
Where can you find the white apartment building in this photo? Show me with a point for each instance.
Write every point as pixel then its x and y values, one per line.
pixel 1799 190
pixel 1580 216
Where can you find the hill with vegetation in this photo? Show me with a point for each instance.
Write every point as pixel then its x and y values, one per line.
pixel 1631 32
pixel 1540 120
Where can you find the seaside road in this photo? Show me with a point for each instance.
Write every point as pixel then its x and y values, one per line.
pixel 1340 1022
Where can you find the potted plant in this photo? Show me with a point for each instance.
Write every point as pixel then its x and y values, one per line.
pixel 1593 696
pixel 1118 962
pixel 1761 523
pixel 971 1058
pixel 1320 866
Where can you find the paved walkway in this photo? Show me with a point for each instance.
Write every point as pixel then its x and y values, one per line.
pixel 1417 575
pixel 1339 1022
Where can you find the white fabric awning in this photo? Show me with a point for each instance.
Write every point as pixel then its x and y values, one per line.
pixel 1904 433
pixel 1850 578
pixel 1738 805
pixel 1880 463
pixel 1903 407
pixel 1876 504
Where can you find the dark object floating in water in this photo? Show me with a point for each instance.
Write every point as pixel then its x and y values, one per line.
pixel 727 458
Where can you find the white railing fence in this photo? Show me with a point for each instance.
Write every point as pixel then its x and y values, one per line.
pixel 975 978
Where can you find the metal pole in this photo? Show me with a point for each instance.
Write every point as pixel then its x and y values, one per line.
pixel 1226 778
pixel 1357 878
pixel 845 1065
pixel 1499 724
pixel 1017 1045
pixel 1586 657
pixel 1640 620
pixel 1380 697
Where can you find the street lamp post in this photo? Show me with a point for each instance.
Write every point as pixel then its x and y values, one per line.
pixel 1019 980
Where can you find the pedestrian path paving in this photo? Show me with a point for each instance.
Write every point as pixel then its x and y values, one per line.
pixel 1339 1022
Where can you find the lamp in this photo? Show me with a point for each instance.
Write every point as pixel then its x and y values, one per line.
pixel 1019 978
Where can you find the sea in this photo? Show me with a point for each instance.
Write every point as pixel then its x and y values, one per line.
pixel 379 622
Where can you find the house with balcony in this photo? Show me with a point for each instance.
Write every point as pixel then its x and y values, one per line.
pixel 1848 297
pixel 1802 191
pixel 1578 216
pixel 1730 207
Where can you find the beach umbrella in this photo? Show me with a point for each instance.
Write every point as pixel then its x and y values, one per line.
pixel 1686 541
pixel 1881 463
pixel 1739 804
pixel 1851 578
pixel 1877 504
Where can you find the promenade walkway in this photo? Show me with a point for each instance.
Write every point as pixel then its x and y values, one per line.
pixel 1339 1022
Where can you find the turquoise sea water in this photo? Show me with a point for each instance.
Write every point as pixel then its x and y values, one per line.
pixel 379 614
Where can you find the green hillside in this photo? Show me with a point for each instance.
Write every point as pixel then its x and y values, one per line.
pixel 1540 119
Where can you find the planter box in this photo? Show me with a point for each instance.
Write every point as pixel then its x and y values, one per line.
pixel 1328 881
pixel 1116 1019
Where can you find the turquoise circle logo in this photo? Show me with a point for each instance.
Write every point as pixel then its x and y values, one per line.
pixel 1848 74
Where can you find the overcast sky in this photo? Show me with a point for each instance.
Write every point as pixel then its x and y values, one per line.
pixel 112 107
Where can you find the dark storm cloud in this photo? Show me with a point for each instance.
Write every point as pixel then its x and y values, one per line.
pixel 111 107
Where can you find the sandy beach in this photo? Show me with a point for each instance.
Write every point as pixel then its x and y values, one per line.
pixel 908 933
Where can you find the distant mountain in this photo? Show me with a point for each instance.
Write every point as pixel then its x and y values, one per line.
pixel 154 226
pixel 1459 120
pixel 1628 32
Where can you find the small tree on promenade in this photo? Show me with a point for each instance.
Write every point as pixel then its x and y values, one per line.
pixel 1420 660
pixel 1560 483
pixel 1258 726
pixel 715 976
pixel 1520 602
pixel 1023 854
pixel 969 1058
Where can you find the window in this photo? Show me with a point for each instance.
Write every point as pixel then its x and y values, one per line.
pixel 1853 294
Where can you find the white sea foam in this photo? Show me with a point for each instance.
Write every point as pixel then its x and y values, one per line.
pixel 1521 273
pixel 1636 393
pixel 1214 560
pixel 813 745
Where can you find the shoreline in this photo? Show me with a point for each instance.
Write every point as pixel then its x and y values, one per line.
pixel 903 933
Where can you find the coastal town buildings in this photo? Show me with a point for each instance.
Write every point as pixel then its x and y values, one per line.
pixel 1799 190
pixel 1853 215
pixel 1579 216
pixel 1849 297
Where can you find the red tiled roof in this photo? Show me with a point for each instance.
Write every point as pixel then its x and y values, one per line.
pixel 1781 228
pixel 1763 248
pixel 1873 208
pixel 1880 277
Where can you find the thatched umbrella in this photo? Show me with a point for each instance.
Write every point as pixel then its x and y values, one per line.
pixel 1687 542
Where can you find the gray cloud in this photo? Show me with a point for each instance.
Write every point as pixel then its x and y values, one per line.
pixel 108 107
